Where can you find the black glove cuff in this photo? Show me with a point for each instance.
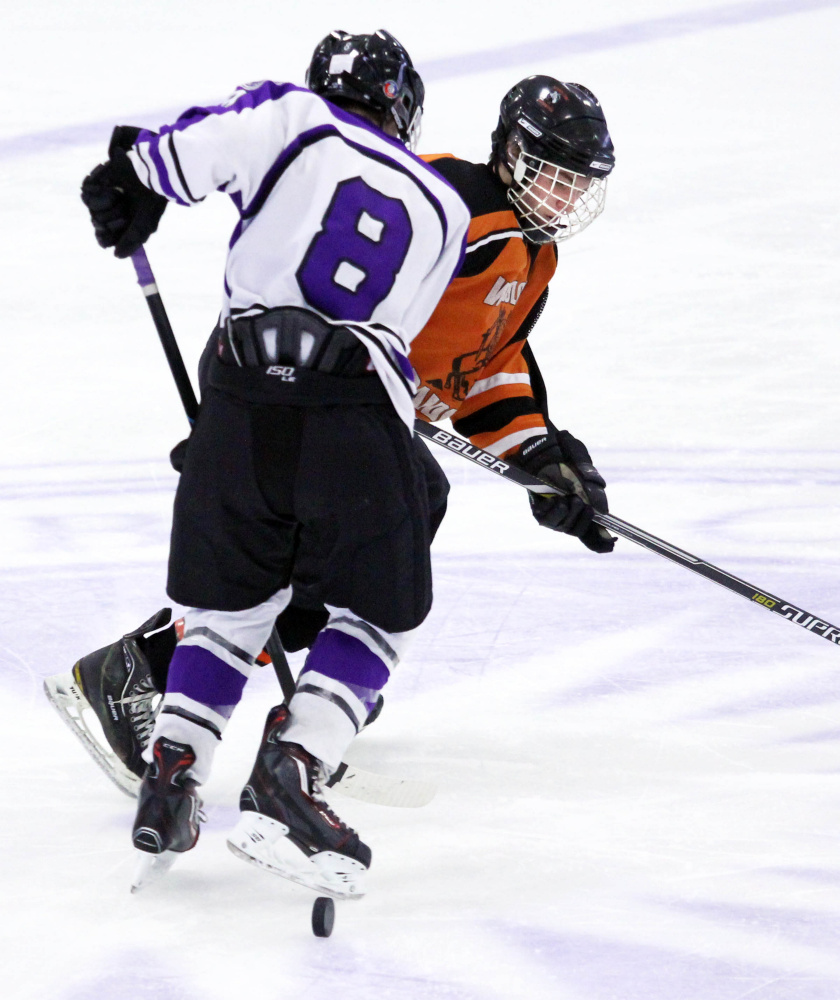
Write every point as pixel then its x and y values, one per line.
pixel 123 137
pixel 574 451
pixel 122 174
pixel 536 454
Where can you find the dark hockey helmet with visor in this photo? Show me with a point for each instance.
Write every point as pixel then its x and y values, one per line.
pixel 553 139
pixel 374 71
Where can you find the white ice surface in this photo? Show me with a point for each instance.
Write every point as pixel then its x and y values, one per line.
pixel 639 794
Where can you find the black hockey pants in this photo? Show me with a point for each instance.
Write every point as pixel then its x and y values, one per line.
pixel 317 480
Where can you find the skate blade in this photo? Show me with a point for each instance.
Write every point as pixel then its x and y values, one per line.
pixel 151 868
pixel 67 699
pixel 262 841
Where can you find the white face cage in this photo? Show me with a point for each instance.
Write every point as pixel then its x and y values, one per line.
pixel 553 203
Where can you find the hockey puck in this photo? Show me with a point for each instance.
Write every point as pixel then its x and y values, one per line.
pixel 323 916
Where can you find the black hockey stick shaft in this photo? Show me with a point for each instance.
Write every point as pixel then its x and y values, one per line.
pixel 146 280
pixel 793 613
pixel 275 650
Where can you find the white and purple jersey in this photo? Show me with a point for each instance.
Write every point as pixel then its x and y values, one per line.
pixel 335 216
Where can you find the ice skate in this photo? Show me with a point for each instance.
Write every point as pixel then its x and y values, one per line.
pixel 109 701
pixel 287 827
pixel 168 812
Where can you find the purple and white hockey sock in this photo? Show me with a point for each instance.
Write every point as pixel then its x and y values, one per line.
pixel 207 674
pixel 348 665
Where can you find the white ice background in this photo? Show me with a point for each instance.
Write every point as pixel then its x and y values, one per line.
pixel 639 791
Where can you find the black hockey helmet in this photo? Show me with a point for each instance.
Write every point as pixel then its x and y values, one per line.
pixel 560 122
pixel 372 70
pixel 547 125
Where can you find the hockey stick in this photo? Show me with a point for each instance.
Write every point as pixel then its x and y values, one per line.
pixel 778 605
pixel 146 280
pixel 352 781
pixel 275 650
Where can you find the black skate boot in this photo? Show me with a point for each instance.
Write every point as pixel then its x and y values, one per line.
pixel 116 685
pixel 286 825
pixel 168 811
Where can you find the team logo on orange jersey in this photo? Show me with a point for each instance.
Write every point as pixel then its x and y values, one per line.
pixel 427 402
pixel 504 291
pixel 459 379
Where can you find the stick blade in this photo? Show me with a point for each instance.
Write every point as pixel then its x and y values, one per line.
pixel 383 790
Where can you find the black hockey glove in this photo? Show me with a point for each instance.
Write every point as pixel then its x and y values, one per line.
pixel 124 212
pixel 178 455
pixel 298 626
pixel 563 461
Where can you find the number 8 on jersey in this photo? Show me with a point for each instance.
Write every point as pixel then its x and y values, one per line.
pixel 352 263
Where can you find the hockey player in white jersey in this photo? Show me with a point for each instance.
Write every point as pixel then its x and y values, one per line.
pixel 301 459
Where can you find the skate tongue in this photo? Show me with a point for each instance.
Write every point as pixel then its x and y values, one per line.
pixel 309 768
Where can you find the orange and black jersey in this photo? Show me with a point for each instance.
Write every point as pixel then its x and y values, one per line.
pixel 472 357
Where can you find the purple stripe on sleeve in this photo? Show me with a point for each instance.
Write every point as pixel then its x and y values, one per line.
pixel 163 175
pixel 195 672
pixel 267 91
pixel 249 99
pixel 405 365
pixel 347 659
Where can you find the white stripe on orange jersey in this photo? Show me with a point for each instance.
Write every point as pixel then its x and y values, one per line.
pixel 503 378
pixel 513 440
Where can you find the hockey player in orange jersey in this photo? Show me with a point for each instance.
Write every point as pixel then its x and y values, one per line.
pixel 545 182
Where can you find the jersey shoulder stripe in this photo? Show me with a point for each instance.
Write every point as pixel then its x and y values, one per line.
pixel 250 95
pixel 488 237
pixel 491 237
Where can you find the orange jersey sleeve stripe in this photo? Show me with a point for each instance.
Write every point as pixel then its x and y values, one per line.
pixel 516 433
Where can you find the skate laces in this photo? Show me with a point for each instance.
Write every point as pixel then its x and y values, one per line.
pixel 141 707
pixel 317 779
